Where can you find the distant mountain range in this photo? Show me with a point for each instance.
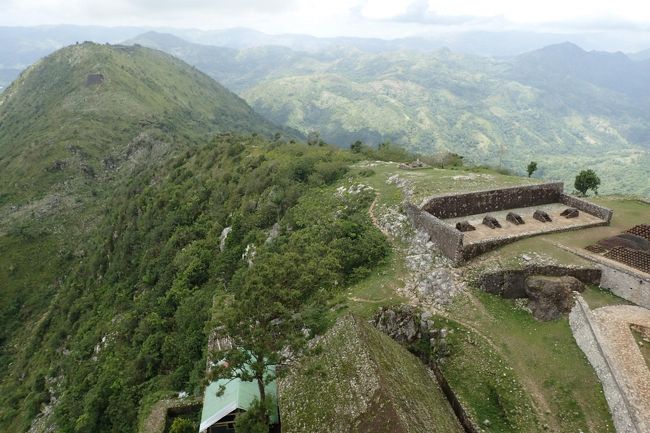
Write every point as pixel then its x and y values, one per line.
pixel 561 105
pixel 22 46
pixel 564 106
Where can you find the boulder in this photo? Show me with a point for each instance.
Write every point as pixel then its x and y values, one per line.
pixel 491 222
pixel 542 216
pixel 465 226
pixel 402 324
pixel 514 218
pixel 570 212
pixel 550 297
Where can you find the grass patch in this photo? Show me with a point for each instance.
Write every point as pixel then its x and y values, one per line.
pixel 545 358
pixel 597 297
pixel 486 384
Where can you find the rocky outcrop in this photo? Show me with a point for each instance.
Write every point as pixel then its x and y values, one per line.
pixel 551 297
pixel 222 238
pixel 413 165
pixel 403 324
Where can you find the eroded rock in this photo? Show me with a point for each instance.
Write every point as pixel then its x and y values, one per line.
pixel 551 297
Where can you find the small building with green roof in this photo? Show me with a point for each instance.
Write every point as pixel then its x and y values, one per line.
pixel 219 412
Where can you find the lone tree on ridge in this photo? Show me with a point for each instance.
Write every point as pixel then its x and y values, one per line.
pixel 532 168
pixel 587 180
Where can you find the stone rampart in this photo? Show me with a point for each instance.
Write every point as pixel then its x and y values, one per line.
pixel 477 248
pixel 472 203
pixel 447 239
pixel 450 241
pixel 626 284
pixel 511 283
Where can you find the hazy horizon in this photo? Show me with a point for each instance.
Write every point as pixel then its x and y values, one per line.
pixel 624 25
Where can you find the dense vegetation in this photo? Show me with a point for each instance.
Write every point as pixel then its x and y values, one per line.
pixel 563 107
pixel 131 319
pixel 72 127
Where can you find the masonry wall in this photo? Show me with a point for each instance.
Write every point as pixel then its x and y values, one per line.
pixel 456 205
pixel 626 285
pixel 478 248
pixel 585 206
pixel 511 283
pixel 447 239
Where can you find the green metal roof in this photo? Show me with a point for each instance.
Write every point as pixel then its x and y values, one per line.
pixel 237 395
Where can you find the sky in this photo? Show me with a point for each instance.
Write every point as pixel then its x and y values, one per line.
pixel 370 18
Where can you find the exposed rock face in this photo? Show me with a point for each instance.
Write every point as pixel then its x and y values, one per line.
pixel 93 79
pixel 223 237
pixel 514 218
pixel 465 226
pixel 542 216
pixel 570 212
pixel 413 165
pixel 403 323
pixel 491 222
pixel 550 297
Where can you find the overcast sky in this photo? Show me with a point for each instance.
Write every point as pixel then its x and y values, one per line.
pixel 373 18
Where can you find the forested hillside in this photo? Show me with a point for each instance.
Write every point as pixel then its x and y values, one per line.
pixel 73 128
pixel 564 107
pixel 131 318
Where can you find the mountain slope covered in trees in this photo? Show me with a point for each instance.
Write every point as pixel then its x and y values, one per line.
pixel 74 127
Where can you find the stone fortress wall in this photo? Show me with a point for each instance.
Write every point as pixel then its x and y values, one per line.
pixel 447 239
pixel 472 203
pixel 450 241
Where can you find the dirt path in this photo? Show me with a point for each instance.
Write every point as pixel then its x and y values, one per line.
pixel 373 217
pixel 625 356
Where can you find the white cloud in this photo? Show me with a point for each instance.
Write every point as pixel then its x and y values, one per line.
pixel 389 18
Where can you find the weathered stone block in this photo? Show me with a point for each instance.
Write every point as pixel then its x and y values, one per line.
pixel 550 297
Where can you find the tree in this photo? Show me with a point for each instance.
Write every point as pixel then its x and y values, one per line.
pixel 586 180
pixel 532 168
pixel 356 147
pixel 263 318
pixel 255 419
